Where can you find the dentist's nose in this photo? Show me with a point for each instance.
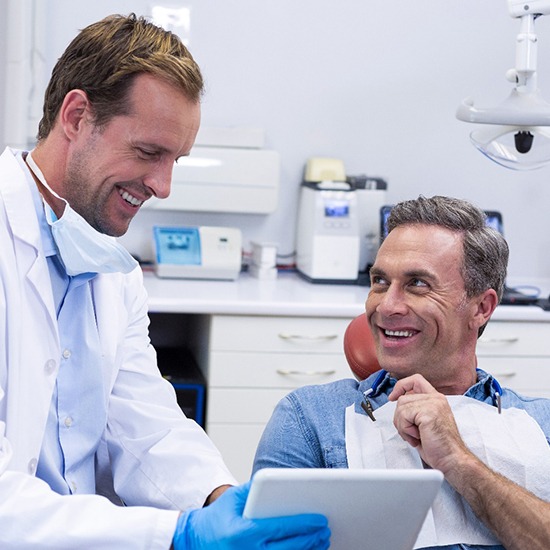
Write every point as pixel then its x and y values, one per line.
pixel 159 181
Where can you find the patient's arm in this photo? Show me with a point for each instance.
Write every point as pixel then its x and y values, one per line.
pixel 517 517
pixel 283 443
pixel 423 418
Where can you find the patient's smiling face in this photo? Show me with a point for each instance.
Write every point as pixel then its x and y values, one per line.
pixel 417 307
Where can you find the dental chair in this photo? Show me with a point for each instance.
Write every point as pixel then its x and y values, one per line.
pixel 359 348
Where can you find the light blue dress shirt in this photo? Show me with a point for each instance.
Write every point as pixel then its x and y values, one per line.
pixel 78 412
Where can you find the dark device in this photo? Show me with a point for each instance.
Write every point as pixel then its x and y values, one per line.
pixel 179 367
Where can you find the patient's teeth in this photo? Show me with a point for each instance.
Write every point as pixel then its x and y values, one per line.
pixel 402 333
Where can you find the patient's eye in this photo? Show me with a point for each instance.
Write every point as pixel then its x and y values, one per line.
pixel 378 280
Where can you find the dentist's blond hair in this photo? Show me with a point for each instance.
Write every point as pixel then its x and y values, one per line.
pixel 104 59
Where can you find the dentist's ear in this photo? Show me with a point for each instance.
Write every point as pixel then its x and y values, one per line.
pixel 73 113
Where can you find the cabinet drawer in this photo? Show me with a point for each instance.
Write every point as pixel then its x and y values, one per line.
pixel 515 339
pixel 275 370
pixel 241 406
pixel 277 334
pixel 528 376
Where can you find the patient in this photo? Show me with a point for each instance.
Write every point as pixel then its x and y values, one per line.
pixel 436 281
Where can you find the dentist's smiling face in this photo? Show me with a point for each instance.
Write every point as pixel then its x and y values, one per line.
pixel 111 171
pixel 417 307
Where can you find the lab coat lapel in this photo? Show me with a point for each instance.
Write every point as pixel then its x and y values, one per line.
pixel 24 226
pixel 32 353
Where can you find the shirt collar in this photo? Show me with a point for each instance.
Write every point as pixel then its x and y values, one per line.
pixel 483 390
pixel 382 386
pixel 48 242
pixel 50 248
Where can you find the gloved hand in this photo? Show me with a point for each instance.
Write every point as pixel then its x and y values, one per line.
pixel 221 526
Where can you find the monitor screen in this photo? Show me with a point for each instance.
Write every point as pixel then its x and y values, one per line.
pixel 336 208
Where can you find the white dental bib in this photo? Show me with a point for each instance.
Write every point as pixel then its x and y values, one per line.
pixel 510 443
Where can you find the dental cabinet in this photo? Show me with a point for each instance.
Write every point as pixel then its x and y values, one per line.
pixel 256 340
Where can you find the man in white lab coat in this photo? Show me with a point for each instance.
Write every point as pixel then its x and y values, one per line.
pixel 84 411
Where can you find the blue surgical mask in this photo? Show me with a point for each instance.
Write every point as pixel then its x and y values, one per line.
pixel 82 248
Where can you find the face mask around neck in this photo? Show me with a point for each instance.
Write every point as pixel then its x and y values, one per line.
pixel 82 248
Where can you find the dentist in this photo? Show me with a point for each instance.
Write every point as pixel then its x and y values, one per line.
pixel 94 450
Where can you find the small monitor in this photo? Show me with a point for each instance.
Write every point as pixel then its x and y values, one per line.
pixel 384 215
pixel 494 220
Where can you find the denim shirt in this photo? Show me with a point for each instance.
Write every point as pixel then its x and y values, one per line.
pixel 307 428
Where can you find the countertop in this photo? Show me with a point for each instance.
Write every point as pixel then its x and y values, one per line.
pixel 288 295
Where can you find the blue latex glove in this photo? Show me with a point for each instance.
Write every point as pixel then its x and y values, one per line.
pixel 221 526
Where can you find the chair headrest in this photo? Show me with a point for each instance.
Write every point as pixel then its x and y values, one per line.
pixel 359 348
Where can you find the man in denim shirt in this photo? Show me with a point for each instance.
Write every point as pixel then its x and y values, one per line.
pixel 436 281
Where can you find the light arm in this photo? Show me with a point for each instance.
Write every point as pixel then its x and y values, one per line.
pixel 517 517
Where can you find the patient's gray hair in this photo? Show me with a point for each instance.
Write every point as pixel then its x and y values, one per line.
pixel 485 249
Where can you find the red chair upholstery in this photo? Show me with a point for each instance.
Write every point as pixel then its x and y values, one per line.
pixel 359 348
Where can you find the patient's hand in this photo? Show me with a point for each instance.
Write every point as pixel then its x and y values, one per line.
pixel 424 419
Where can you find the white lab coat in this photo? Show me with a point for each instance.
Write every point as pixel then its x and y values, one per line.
pixel 159 460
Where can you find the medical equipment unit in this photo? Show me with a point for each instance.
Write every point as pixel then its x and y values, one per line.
pixel 371 197
pixel 518 131
pixel 338 229
pixel 227 170
pixel 198 252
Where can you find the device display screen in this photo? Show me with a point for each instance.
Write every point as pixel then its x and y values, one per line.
pixel 179 246
pixel 336 209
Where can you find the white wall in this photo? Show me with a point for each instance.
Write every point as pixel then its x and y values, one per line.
pixel 374 83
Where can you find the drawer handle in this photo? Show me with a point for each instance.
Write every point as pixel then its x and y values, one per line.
pixel 510 340
pixel 285 336
pixel 286 372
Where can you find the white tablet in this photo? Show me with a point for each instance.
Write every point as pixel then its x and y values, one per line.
pixel 365 508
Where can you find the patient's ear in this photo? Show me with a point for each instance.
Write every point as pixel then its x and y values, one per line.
pixel 485 305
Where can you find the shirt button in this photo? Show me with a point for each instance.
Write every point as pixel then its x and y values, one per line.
pixel 49 367
pixel 31 467
pixel 73 486
pixel 68 421
pixel 66 353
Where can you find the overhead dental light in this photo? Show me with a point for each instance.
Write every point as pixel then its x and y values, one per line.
pixel 516 132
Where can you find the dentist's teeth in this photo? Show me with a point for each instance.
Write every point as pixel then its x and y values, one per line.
pixel 130 198
pixel 401 333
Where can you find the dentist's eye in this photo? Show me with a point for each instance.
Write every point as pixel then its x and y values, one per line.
pixel 147 154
